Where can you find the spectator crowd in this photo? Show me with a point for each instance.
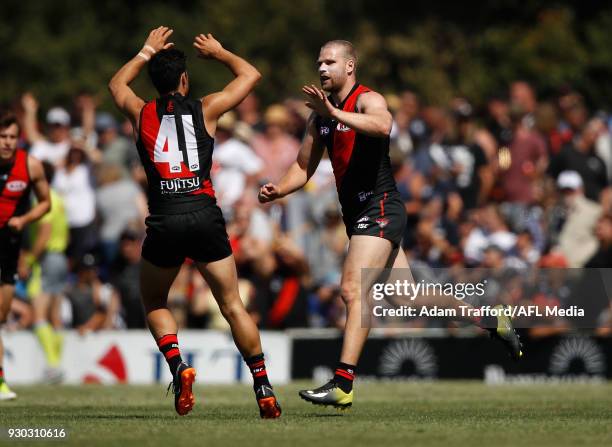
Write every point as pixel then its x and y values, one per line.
pixel 522 182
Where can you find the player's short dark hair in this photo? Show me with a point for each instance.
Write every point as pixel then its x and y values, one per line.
pixel 7 118
pixel 349 49
pixel 165 69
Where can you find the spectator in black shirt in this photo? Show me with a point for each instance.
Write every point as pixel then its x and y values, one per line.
pixel 580 156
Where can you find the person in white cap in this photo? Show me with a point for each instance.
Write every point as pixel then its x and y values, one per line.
pixel 577 239
pixel 53 147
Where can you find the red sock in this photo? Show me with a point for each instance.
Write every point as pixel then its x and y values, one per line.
pixel 168 346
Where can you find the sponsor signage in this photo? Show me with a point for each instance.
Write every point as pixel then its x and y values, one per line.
pixel 131 357
pixel 549 359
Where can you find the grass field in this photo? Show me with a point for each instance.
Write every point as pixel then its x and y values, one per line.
pixel 388 414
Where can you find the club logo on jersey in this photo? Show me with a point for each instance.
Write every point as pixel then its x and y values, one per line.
pixel 179 185
pixel 170 107
pixel 324 131
pixel 382 222
pixel 16 186
pixel 342 128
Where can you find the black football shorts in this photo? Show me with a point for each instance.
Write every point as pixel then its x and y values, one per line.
pixel 10 245
pixel 383 216
pixel 199 235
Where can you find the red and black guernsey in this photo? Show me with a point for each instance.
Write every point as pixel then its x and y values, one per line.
pixel 176 152
pixel 14 188
pixel 361 163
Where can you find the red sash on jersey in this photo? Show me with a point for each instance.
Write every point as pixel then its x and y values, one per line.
pixel 16 186
pixel 344 138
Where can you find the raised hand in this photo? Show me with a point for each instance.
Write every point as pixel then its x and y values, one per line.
pixel 207 46
pixel 157 40
pixel 318 101
pixel 29 103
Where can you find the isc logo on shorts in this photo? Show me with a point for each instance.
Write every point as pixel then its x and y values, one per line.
pixel 324 131
pixel 16 186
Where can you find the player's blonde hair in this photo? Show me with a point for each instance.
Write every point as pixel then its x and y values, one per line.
pixel 347 47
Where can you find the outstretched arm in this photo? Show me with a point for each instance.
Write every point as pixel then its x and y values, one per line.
pixel 125 99
pixel 301 170
pixel 30 126
pixel 373 117
pixel 246 77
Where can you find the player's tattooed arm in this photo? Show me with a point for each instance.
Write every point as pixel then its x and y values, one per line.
pixel 41 191
pixel 125 99
pixel 301 170
pixel 246 77
pixel 373 117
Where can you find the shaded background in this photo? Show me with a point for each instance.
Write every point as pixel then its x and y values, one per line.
pixel 434 47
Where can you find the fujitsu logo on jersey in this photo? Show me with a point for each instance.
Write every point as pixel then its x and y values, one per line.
pixel 179 185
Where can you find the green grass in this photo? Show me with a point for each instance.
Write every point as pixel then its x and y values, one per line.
pixel 387 414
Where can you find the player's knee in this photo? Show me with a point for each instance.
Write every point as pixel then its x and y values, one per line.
pixel 231 310
pixel 350 292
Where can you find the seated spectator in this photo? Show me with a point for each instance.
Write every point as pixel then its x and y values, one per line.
pixel 603 256
pixel 91 301
pixel 577 241
pixel 125 278
pixel 281 300
pixel 580 156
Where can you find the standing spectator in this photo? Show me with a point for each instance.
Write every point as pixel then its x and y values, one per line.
pixel 498 120
pixel 276 147
pixel 73 183
pixel 47 268
pixel 120 204
pixel 523 163
pixel 235 165
pixel 523 96
pixel 406 113
pixel 53 147
pixel 472 172
pixel 248 112
pixel 115 148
